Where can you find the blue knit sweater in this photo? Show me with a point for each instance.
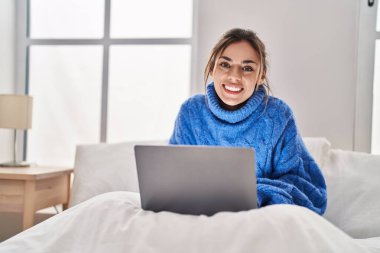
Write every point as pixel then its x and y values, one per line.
pixel 286 172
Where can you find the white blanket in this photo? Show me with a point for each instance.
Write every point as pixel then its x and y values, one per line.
pixel 114 222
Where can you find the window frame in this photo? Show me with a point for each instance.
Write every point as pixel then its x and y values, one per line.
pixel 24 42
pixel 367 36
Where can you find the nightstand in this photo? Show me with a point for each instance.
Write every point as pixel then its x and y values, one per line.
pixel 28 190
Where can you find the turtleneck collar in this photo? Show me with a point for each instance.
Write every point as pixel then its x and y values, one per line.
pixel 236 115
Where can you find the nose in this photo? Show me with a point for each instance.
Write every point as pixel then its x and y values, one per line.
pixel 234 75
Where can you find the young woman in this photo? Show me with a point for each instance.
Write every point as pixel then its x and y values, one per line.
pixel 238 111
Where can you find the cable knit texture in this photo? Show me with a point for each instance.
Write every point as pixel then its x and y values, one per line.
pixel 286 172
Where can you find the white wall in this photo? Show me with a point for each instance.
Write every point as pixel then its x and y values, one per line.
pixel 312 48
pixel 7 68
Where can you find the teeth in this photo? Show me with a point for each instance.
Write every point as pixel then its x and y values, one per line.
pixel 232 88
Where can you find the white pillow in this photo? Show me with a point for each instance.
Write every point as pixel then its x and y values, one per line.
pixel 353 192
pixel 102 168
pixel 318 147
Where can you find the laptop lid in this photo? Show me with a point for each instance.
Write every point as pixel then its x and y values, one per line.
pixel 196 179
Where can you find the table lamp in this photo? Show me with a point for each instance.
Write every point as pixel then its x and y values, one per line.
pixel 15 113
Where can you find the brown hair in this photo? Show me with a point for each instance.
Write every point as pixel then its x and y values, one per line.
pixel 237 35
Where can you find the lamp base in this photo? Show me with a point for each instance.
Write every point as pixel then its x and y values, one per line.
pixel 15 165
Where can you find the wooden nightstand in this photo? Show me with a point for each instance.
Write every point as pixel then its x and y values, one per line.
pixel 28 190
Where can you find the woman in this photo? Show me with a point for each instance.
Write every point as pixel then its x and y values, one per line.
pixel 238 111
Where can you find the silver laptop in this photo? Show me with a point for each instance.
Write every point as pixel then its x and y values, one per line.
pixel 196 179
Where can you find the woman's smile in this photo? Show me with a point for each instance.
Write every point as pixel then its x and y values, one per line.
pixel 232 89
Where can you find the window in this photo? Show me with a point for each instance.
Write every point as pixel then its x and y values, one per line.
pixel 143 104
pixel 70 19
pixel 102 70
pixel 151 19
pixel 65 82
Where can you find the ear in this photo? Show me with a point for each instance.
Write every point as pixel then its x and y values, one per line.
pixel 261 80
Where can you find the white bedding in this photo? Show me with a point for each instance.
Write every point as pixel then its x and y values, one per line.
pixel 114 222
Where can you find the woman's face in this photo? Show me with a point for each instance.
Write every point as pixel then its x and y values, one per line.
pixel 236 73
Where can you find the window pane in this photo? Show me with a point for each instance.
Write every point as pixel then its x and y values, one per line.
pixel 65 82
pixel 376 103
pixel 66 19
pixel 147 86
pixel 151 19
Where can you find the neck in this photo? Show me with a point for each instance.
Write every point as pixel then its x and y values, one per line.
pixel 231 107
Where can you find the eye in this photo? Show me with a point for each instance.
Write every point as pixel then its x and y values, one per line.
pixel 247 69
pixel 224 64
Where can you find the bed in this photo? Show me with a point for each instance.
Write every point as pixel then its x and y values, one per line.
pixel 105 213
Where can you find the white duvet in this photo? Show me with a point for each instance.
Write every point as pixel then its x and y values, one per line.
pixel 114 222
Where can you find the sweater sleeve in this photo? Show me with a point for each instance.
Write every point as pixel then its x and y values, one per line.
pixel 182 133
pixel 295 178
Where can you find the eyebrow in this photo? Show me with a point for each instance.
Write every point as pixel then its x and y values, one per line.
pixel 245 61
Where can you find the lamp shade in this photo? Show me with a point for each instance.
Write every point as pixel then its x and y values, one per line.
pixel 16 111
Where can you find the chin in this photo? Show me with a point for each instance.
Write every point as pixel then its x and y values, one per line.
pixel 232 103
